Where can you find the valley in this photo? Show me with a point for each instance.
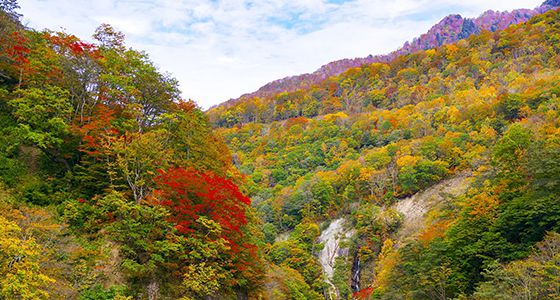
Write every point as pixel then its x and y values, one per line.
pixel 431 172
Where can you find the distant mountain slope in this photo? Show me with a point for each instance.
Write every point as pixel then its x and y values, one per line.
pixel 450 29
pixel 387 147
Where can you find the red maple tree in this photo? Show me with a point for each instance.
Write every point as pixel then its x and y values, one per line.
pixel 190 194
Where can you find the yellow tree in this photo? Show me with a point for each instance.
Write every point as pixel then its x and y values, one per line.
pixel 21 276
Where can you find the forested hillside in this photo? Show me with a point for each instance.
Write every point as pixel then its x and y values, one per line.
pixel 449 30
pixel 354 146
pixel 431 175
pixel 111 186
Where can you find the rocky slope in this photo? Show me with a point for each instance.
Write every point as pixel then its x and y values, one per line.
pixel 415 208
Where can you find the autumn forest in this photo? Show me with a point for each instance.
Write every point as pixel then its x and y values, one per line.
pixel 429 173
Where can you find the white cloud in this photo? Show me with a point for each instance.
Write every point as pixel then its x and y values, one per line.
pixel 220 49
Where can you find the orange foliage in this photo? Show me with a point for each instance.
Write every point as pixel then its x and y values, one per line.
pixel 95 129
pixel 363 294
pixel 434 231
pixel 296 121
pixel 483 205
pixel 185 106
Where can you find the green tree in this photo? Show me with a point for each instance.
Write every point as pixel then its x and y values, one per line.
pixel 43 116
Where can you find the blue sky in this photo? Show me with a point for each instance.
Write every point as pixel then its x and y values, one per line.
pixel 220 49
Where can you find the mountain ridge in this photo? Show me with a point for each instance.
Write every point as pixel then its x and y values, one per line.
pixel 450 29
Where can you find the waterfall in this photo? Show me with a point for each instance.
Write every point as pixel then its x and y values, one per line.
pixel 331 238
pixel 356 269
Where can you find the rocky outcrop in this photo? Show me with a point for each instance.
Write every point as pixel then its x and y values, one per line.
pixel 413 209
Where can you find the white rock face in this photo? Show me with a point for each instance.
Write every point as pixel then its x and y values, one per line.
pixel 414 208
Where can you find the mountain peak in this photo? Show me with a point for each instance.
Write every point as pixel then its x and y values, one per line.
pixel 451 18
pixel 450 29
pixel 554 3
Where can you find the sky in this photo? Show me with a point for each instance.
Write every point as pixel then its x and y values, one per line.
pixel 221 49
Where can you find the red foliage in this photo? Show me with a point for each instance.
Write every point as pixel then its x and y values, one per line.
pixel 77 47
pixel 19 50
pixel 95 129
pixel 190 194
pixel 363 294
